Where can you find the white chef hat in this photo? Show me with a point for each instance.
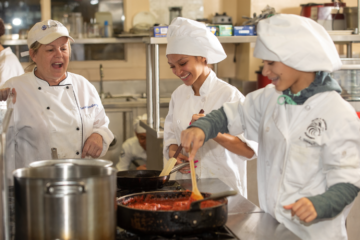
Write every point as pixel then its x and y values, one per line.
pixel 46 32
pixel 137 127
pixel 298 42
pixel 192 38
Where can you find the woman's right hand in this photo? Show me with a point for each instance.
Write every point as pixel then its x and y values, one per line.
pixel 180 159
pixel 4 93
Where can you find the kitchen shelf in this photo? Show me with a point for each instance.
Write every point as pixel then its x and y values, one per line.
pixel 336 36
pixel 82 41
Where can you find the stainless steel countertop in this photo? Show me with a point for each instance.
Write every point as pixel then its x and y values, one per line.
pixel 251 223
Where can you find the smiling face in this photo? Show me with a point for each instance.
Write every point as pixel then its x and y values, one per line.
pixel 52 60
pixel 191 70
pixel 284 77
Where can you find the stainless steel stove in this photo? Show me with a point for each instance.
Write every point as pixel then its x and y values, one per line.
pixel 220 233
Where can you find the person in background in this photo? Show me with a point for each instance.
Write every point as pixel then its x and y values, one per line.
pixel 309 154
pixel 191 47
pixel 9 63
pixel 133 154
pixel 57 114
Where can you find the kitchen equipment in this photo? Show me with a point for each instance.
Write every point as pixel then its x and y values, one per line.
pixel 351 17
pixel 6 226
pixel 170 163
pixel 310 10
pixel 76 25
pixel 170 222
pixel 8 31
pixel 195 195
pixel 116 10
pixel 262 80
pixel 85 162
pixel 174 12
pixel 65 201
pixel 330 15
pixel 348 78
pixel 222 19
pixel 144 179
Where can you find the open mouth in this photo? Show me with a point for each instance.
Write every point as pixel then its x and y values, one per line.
pixel 57 65
pixel 184 77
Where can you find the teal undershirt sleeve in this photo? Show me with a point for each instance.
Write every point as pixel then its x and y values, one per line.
pixel 334 200
pixel 212 124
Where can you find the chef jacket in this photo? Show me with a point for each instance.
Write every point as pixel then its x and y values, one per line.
pixel 9 65
pixel 214 160
pixel 303 150
pixel 46 117
pixel 131 151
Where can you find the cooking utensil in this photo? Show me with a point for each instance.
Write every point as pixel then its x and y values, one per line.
pixel 195 195
pixel 171 162
pixel 196 204
pixel 65 201
pixel 86 162
pixel 170 222
pixel 144 179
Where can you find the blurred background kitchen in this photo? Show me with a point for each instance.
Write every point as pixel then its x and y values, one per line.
pixel 109 50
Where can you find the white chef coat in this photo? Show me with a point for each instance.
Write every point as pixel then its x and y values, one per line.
pixel 214 160
pixel 131 150
pixel 61 117
pixel 9 65
pixel 302 156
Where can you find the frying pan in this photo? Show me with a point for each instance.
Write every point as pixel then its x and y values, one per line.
pixel 183 222
pixel 144 179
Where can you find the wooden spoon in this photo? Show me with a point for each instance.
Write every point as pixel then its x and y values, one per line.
pixel 195 195
pixel 170 163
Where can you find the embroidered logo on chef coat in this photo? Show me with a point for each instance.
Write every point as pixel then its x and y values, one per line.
pixel 317 126
pixel 91 106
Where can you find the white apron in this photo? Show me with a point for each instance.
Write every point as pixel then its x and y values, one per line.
pixel 214 160
pixel 302 152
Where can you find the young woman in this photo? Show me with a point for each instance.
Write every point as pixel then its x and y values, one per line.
pixel 191 47
pixel 309 155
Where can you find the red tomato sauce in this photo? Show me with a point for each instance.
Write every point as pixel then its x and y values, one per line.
pixel 165 204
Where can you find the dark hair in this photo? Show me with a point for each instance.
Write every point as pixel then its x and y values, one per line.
pixel 2 27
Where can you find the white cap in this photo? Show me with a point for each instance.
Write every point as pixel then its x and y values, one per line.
pixel 46 32
pixel 188 37
pixel 297 42
pixel 137 127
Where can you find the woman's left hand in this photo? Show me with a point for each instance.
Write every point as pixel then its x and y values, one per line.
pixel 93 146
pixel 195 117
pixel 303 208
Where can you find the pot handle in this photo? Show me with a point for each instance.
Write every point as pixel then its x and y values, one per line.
pixel 195 206
pixel 64 188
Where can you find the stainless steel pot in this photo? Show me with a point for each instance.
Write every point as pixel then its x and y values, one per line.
pixel 65 201
pixel 87 162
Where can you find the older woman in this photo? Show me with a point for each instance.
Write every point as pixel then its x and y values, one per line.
pixel 9 63
pixel 57 114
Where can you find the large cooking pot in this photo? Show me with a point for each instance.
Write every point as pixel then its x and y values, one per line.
pixel 144 179
pixel 165 223
pixel 65 201
pixel 87 162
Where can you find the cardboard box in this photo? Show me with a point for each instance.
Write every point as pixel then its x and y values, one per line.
pixel 244 30
pixel 160 31
pixel 224 30
pixel 212 29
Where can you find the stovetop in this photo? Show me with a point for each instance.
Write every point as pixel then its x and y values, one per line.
pixel 218 233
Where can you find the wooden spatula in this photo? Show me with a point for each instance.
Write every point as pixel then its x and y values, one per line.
pixel 195 195
pixel 170 163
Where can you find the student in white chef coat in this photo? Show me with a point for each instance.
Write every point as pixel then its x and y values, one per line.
pixel 54 109
pixel 9 63
pixel 134 149
pixel 191 47
pixel 309 137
